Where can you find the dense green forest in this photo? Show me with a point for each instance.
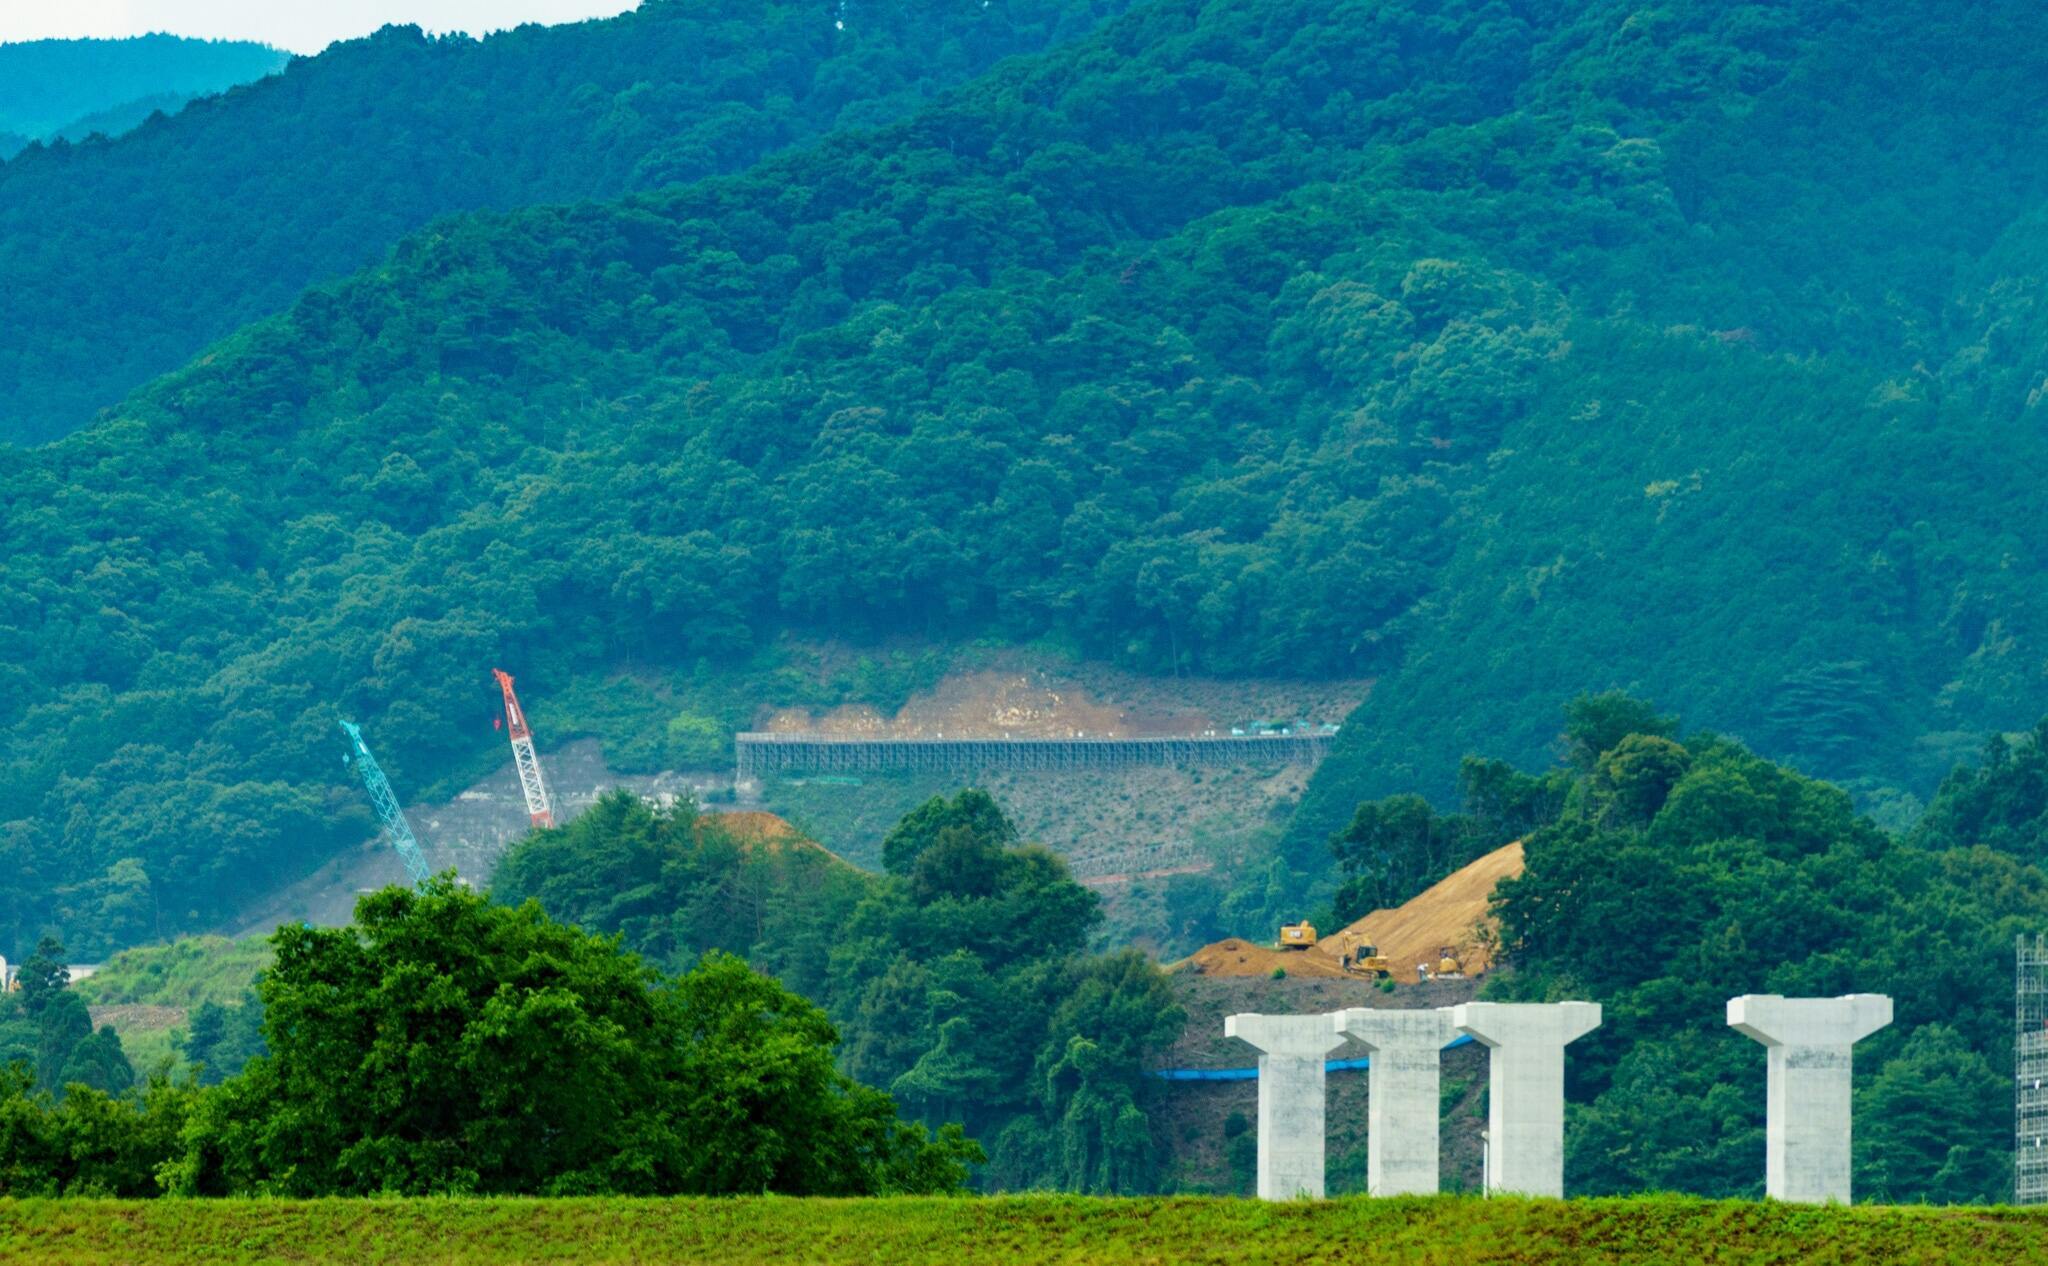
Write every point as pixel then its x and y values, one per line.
pixel 444 1045
pixel 50 87
pixel 1501 352
pixel 122 264
pixel 958 977
pixel 1674 873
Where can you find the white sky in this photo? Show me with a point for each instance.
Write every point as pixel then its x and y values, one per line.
pixel 303 26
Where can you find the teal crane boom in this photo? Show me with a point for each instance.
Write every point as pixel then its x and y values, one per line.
pixel 386 804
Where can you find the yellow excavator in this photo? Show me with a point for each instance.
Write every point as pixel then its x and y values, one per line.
pixel 1448 964
pixel 1297 936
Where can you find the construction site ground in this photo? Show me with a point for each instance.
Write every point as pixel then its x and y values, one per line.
pixel 1018 694
pixel 1126 833
pixel 1207 1127
pixel 1453 913
pixel 467 834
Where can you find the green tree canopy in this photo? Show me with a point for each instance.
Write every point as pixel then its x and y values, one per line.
pixel 960 977
pixel 1678 875
pixel 447 1044
pixel 46 1031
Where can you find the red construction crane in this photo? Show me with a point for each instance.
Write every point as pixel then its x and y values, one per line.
pixel 536 788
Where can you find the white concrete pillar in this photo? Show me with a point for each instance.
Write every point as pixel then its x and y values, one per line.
pixel 1806 1132
pixel 1525 1044
pixel 1291 1053
pixel 1402 1140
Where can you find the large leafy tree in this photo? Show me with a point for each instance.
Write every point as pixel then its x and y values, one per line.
pixel 447 1044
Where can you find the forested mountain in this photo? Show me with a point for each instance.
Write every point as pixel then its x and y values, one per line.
pixel 1501 351
pixel 126 260
pixel 115 120
pixel 73 88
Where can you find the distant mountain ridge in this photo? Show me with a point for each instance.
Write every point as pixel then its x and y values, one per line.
pixel 126 260
pixel 49 87
pixel 118 119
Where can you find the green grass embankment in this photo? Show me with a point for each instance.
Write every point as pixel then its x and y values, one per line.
pixel 1013 1231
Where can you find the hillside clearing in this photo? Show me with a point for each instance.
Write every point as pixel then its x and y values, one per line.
pixel 1015 1230
pixel 1452 913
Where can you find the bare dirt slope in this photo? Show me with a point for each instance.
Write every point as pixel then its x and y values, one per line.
pixel 1236 957
pixel 1450 913
pixel 1019 697
pixel 1128 833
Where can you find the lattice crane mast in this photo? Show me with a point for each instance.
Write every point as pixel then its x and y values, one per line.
pixel 539 809
pixel 386 804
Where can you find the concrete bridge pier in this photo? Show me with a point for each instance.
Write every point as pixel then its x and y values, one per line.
pixel 1403 1134
pixel 1291 1049
pixel 1807 1121
pixel 1525 1088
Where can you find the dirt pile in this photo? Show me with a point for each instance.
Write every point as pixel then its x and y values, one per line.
pixel 1242 958
pixel 751 826
pixel 757 828
pixel 1452 912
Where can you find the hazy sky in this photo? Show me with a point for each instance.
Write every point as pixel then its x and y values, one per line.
pixel 303 26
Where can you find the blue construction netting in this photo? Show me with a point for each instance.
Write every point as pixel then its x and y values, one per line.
pixel 1252 1073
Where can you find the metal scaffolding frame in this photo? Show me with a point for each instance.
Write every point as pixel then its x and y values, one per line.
pixel 2030 1070
pixel 768 753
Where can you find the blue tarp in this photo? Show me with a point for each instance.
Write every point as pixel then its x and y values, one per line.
pixel 1252 1073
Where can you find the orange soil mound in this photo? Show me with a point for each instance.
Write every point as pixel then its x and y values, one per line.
pixel 1451 913
pixel 1242 958
pixel 755 826
pixel 762 829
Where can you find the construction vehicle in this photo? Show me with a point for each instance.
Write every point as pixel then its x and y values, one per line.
pixel 1447 964
pixel 1367 960
pixel 540 810
pixel 386 804
pixel 1297 936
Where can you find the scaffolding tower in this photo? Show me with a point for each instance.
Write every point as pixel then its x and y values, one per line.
pixel 2030 1070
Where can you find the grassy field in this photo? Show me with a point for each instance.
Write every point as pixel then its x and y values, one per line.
pixel 1013 1231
